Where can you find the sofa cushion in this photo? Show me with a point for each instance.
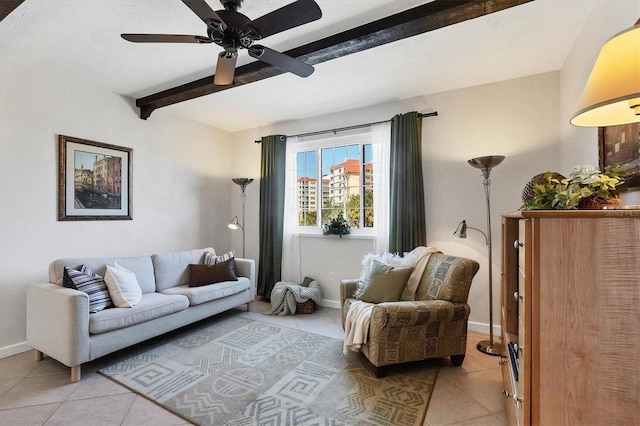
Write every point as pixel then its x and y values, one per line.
pixel 211 274
pixel 141 266
pixel 91 283
pixel 384 283
pixel 206 293
pixel 172 269
pixel 151 306
pixel 123 286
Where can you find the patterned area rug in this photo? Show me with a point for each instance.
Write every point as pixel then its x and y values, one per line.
pixel 244 372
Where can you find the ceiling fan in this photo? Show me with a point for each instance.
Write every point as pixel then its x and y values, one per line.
pixel 232 30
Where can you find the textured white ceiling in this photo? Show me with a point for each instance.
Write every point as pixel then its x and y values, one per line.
pixel 81 40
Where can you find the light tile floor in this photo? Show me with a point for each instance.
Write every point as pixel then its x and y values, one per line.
pixel 41 393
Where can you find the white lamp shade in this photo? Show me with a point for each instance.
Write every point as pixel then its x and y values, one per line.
pixel 612 93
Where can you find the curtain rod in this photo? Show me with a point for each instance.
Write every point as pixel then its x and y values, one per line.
pixel 358 126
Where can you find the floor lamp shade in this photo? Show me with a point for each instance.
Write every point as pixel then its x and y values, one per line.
pixel 612 94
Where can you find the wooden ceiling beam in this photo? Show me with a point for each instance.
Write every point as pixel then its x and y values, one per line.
pixel 8 6
pixel 418 20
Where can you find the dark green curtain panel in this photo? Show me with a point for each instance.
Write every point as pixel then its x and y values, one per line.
pixel 407 223
pixel 272 189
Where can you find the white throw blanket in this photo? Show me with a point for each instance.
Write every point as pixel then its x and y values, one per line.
pixel 356 325
pixel 285 296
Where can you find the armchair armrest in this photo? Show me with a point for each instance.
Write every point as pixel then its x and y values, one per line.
pixel 406 314
pixel 347 289
pixel 58 323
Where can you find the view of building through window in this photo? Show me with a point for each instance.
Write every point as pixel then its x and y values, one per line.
pixel 335 179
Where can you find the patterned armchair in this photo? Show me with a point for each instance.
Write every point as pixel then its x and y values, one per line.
pixel 434 325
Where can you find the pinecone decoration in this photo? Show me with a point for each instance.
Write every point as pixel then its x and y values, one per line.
pixel 528 192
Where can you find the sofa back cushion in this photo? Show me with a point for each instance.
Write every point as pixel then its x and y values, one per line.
pixel 172 269
pixel 447 278
pixel 141 266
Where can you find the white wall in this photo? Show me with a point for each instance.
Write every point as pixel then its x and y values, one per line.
pixel 181 186
pixel 332 259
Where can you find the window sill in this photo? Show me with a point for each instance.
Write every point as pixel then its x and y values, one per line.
pixel 344 237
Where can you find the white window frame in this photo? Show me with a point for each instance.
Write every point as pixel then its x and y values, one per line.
pixel 360 137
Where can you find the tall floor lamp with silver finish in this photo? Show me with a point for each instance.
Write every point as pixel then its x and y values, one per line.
pixel 485 164
pixel 234 224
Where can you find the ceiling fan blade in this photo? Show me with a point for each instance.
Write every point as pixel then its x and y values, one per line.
pixel 226 68
pixel 165 38
pixel 287 17
pixel 204 12
pixel 281 61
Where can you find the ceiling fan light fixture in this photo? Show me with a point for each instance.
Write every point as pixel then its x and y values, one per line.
pixel 225 70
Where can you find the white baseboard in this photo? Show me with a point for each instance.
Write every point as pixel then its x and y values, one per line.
pixel 481 327
pixel 335 304
pixel 18 348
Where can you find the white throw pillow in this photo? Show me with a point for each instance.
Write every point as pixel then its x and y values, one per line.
pixel 409 260
pixel 123 286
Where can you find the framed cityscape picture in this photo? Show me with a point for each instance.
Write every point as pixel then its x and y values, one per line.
pixel 621 145
pixel 94 180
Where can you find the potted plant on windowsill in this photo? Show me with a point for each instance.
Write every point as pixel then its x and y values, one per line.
pixel 337 226
pixel 586 188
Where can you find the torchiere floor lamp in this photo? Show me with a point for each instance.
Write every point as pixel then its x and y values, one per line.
pixel 243 182
pixel 485 164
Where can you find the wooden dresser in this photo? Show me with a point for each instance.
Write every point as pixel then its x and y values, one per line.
pixel 570 312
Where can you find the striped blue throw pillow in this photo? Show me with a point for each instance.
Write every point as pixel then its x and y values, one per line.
pixel 212 259
pixel 91 283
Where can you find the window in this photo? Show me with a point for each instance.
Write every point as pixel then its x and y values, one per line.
pixel 358 163
pixel 334 174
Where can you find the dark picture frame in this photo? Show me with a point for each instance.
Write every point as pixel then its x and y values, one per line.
pixel 621 145
pixel 94 180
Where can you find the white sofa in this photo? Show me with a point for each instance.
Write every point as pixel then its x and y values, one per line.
pixel 60 326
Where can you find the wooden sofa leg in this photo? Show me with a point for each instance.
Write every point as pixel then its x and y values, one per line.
pixel 76 373
pixel 380 372
pixel 248 306
pixel 457 360
pixel 37 355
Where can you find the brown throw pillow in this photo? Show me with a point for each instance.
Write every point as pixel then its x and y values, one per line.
pixel 200 275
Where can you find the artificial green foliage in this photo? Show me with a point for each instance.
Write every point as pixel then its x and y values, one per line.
pixel 585 186
pixel 337 226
